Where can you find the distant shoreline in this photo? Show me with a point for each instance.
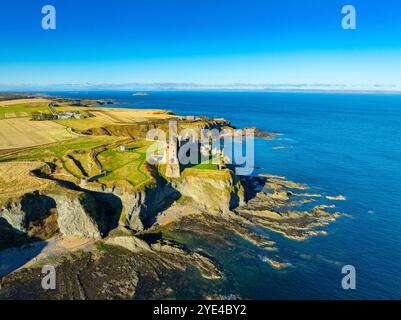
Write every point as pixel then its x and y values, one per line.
pixel 311 91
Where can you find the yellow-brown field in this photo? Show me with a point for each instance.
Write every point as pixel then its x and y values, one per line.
pixel 15 179
pixel 104 147
pixel 23 101
pixel 22 133
pixel 107 116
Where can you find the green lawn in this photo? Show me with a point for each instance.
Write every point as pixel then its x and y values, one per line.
pixel 125 166
pixel 206 165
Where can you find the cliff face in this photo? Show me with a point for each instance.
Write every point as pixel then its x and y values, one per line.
pixel 41 215
pixel 78 216
pixel 213 194
pixel 216 193
pixel 140 207
pixel 92 213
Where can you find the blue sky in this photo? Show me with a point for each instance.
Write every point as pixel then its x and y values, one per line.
pixel 208 42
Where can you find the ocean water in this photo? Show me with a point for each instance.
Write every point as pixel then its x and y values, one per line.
pixel 348 144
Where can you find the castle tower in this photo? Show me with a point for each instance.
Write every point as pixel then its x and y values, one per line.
pixel 173 166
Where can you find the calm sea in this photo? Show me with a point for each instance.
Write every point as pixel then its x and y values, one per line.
pixel 348 144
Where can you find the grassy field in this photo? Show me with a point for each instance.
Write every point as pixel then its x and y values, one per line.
pixel 109 116
pixel 206 165
pixel 23 101
pixel 22 110
pixel 58 150
pixel 22 133
pixel 76 156
pixel 15 179
pixel 89 156
pixel 125 166
pixel 81 163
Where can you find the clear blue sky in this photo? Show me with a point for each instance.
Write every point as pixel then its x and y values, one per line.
pixel 201 41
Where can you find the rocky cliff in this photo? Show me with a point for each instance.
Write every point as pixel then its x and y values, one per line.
pixel 70 210
pixel 215 192
pixel 43 214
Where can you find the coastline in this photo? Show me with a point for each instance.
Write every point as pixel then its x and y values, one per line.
pixel 260 202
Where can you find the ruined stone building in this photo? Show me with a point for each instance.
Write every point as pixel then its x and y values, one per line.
pixel 173 165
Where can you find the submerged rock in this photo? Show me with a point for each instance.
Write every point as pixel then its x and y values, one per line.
pixel 337 198
pixel 274 208
pixel 275 264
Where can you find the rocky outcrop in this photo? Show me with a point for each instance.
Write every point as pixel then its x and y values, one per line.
pixel 123 267
pixel 78 216
pixel 130 243
pixel 92 212
pixel 216 194
pixel 213 194
pixel 41 215
pixel 141 207
pixel 177 255
pixel 276 206
pixel 33 214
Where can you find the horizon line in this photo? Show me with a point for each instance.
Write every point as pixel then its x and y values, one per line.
pixel 187 86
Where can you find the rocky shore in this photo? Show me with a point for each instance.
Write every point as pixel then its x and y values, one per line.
pixel 129 260
pixel 130 242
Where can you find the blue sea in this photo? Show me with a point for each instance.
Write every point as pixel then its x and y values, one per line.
pixel 348 144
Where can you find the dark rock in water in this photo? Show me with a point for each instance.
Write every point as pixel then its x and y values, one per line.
pixel 275 208
pixel 135 260
pixel 262 134
pixel 124 271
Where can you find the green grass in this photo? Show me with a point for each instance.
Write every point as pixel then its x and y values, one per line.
pixel 125 166
pixel 20 109
pixel 113 159
pixel 120 166
pixel 58 150
pixel 206 165
pixel 184 199
pixel 103 247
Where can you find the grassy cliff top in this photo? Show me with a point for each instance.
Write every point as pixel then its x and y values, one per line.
pixel 17 179
pixel 105 147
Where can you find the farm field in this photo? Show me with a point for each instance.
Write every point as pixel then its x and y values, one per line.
pixel 57 150
pixel 22 133
pixel 23 101
pixel 112 156
pixel 22 110
pixel 86 157
pixel 15 179
pixel 106 116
